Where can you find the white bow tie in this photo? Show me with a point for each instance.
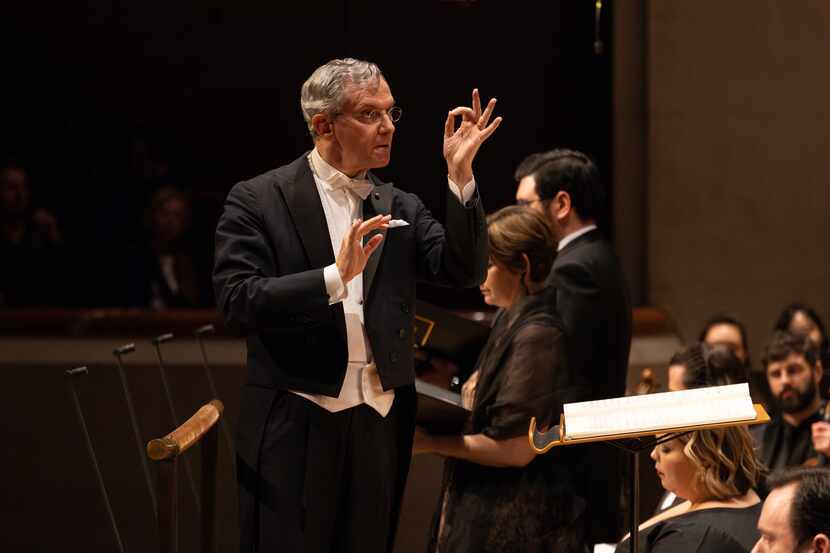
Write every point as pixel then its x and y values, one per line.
pixel 361 187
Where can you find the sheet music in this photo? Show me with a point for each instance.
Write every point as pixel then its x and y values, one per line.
pixel 656 411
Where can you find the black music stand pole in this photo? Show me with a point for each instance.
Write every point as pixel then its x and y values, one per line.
pixel 73 382
pixel 118 352
pixel 157 342
pixel 200 333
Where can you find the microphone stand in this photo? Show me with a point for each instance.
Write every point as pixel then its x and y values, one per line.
pixel 73 382
pixel 200 333
pixel 157 341
pixel 118 353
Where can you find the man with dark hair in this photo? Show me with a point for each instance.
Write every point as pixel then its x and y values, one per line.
pixel 793 373
pixel 592 299
pixel 796 514
pixel 316 264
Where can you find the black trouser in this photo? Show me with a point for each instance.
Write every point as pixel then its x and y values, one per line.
pixel 327 482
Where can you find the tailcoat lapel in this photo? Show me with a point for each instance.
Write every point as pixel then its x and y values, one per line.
pixel 379 202
pixel 303 202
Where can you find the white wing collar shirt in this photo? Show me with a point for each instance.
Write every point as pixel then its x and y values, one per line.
pixel 341 197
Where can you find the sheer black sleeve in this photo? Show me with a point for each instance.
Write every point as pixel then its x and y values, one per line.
pixel 534 383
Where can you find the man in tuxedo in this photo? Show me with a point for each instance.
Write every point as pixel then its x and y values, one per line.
pixel 592 301
pixel 327 414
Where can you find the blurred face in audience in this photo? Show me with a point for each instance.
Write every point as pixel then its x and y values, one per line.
pixel 675 470
pixel 171 220
pixel 802 325
pixel 676 375
pixel 502 286
pixel 727 335
pixel 774 523
pixel 14 191
pixel 793 382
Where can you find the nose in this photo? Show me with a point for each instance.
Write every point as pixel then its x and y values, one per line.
pixel 653 454
pixel 386 123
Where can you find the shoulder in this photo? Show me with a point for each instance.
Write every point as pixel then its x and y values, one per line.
pixel 257 188
pixel 540 330
pixel 588 251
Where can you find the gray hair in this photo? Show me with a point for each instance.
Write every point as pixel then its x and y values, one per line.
pixel 325 89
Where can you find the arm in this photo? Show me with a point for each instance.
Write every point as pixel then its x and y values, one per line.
pixel 478 448
pixel 454 254
pixel 577 298
pixel 248 293
pixel 457 255
pixel 534 383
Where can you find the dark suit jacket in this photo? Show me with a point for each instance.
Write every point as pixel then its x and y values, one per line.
pixel 593 302
pixel 272 244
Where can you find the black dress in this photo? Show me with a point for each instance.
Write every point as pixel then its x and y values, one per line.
pixel 718 530
pixel 536 508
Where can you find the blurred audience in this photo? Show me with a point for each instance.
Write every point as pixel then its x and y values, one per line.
pixel 796 434
pixel 714 471
pixel 33 253
pixel 704 365
pixel 167 272
pixel 798 318
pixel 724 329
pixel 796 513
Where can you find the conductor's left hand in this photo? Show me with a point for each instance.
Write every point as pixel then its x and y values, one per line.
pixel 461 145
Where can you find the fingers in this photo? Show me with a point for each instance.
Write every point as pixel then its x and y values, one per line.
pixel 360 227
pixel 476 104
pixel 466 113
pixel 485 118
pixel 373 243
pixel 449 125
pixel 490 129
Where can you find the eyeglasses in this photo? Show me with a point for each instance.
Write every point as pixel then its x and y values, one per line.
pixel 527 203
pixel 374 116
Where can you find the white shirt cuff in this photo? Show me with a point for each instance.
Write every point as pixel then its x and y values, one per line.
pixel 335 288
pixel 466 193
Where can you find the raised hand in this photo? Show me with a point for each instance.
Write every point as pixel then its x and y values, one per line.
pixel 821 437
pixel 353 255
pixel 461 145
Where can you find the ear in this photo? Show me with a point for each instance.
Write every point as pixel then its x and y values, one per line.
pixel 821 543
pixel 526 270
pixel 561 206
pixel 321 125
pixel 818 372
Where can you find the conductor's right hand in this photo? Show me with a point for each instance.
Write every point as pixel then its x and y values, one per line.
pixel 353 255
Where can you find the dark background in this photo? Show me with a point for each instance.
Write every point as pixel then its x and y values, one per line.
pixel 212 89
